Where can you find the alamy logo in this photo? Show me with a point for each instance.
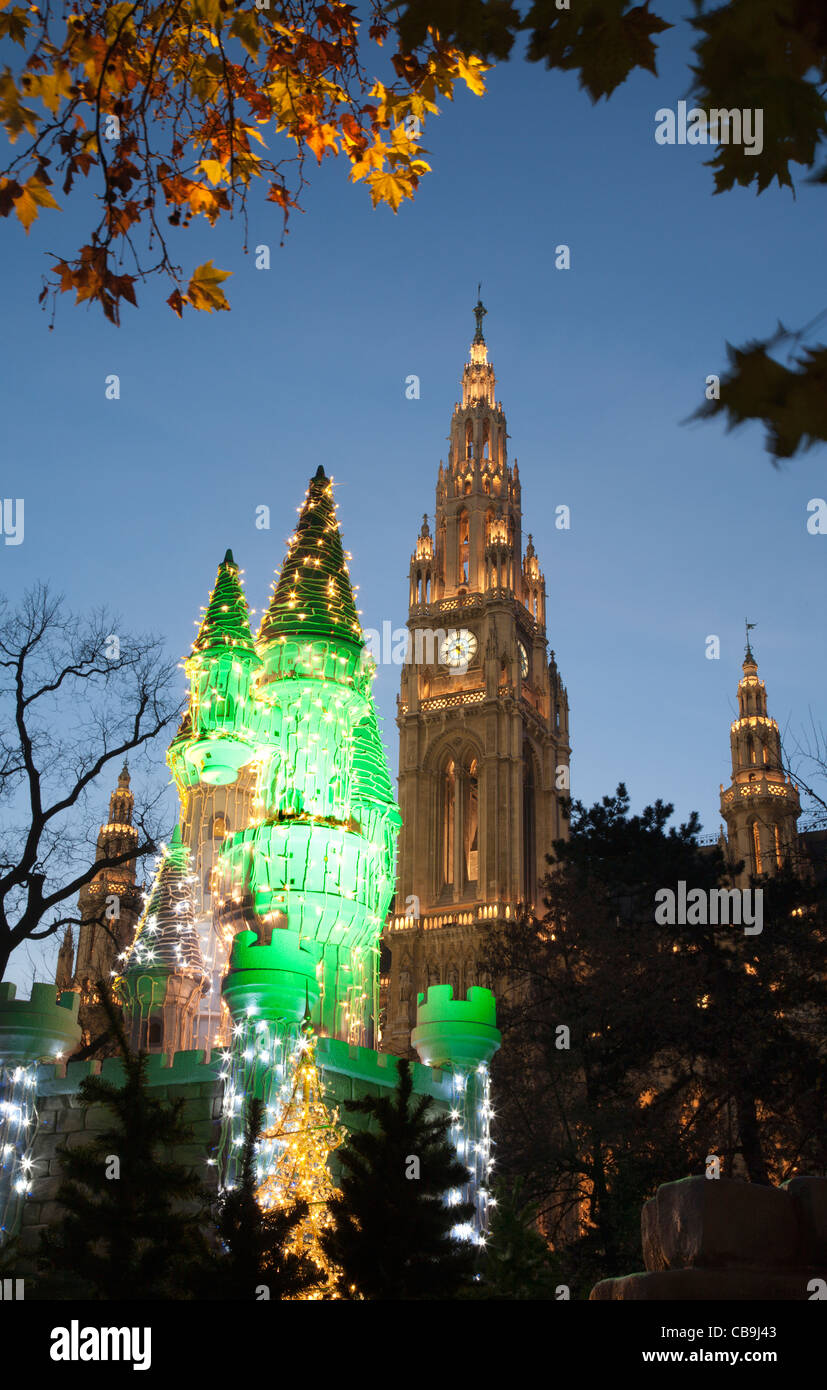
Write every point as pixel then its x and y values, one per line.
pixel 11 516
pixel 395 646
pixel 715 907
pixel 718 126
pixel 76 1343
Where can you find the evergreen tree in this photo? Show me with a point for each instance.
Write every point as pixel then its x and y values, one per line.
pixel 632 1050
pixel 392 1223
pixel 302 1139
pixel 130 1228
pixel 254 1244
pixel 517 1263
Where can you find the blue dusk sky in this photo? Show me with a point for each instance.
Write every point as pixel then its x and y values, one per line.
pixel 677 531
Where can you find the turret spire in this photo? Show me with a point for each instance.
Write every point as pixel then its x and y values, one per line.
pixel 226 620
pixel 314 596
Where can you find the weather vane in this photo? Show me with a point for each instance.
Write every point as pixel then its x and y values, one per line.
pixel 749 627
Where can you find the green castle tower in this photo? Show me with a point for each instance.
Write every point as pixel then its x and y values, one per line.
pixel 293 709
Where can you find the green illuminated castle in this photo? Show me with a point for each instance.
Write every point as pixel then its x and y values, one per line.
pixel 271 896
pixel 288 715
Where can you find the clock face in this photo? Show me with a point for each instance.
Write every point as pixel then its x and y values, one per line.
pixel 459 647
pixel 523 659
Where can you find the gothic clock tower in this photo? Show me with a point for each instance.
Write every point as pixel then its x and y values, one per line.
pixel 482 716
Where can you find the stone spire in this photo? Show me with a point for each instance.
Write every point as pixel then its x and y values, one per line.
pixel 761 806
pixel 479 314
pixel 482 714
pixel 108 908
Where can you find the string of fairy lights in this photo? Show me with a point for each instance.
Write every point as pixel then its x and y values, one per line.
pixel 470 1132
pixel 277 1062
pixel 293 1155
pixel 18 1129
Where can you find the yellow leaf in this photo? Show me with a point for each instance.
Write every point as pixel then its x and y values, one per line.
pixel 41 194
pixel 34 195
pixel 204 289
pixel 245 27
pixel 26 208
pixel 51 87
pixel 471 71
pixel 214 169
pixel 389 188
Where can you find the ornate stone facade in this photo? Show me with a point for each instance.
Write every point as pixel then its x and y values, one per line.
pixel 482 715
pixel 108 907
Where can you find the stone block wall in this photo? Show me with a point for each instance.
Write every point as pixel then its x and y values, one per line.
pixel 720 1239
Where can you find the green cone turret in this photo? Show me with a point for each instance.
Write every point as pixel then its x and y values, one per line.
pixel 214 740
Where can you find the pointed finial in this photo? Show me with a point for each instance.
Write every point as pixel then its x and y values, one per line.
pixel 123 779
pixel 228 560
pixel 320 476
pixel 749 626
pixel 479 314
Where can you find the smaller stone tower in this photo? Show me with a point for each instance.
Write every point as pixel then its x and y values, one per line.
pixel 109 907
pixel 761 806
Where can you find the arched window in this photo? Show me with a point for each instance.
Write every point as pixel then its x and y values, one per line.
pixel 485 439
pixel 757 866
pixel 529 826
pixel 779 853
pixel 471 823
pixel 449 806
pixel 219 827
pixel 469 440
pixel 464 547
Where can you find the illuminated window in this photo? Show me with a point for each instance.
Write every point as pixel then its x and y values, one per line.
pixel 448 823
pixel 470 826
pixel 219 827
pixel 779 855
pixel 756 850
pixel 464 547
pixel 529 845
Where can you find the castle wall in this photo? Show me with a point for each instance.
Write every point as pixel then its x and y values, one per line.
pixel 348 1073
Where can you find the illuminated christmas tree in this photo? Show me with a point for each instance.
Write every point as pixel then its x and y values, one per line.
pixel 294 1152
